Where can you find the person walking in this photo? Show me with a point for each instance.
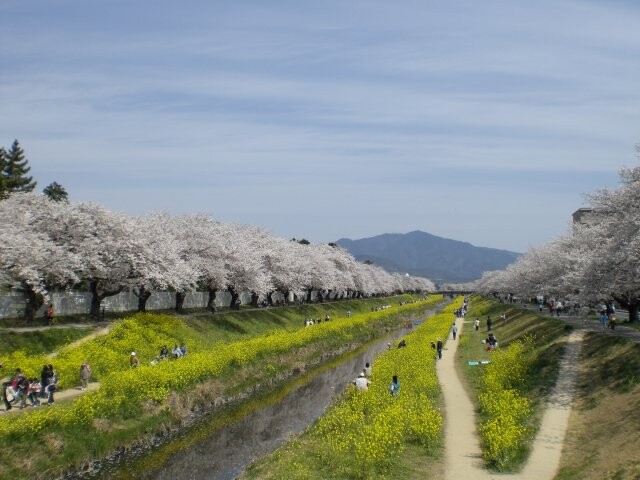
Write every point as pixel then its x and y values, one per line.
pixel 439 348
pixel 476 324
pixel 454 330
pixel 48 314
pixel 53 385
pixel 603 320
pixel 85 374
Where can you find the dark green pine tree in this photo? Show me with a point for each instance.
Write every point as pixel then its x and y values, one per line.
pixel 56 192
pixel 16 170
pixel 3 180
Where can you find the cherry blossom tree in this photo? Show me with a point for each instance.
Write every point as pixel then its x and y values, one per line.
pixel 30 253
pixel 160 260
pixel 598 261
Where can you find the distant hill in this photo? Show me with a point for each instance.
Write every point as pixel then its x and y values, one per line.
pixel 422 254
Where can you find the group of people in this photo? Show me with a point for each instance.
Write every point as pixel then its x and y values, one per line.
pixel 310 321
pixel 380 308
pixel 491 341
pixel 437 346
pixel 19 388
pixel 607 316
pixel 363 381
pixel 176 352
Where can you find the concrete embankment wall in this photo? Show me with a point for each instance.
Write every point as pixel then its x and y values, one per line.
pixel 12 303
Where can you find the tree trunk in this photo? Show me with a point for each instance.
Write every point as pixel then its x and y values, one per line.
pixel 33 302
pixel 320 298
pixel 180 296
pixel 254 299
pixel 143 295
pixel 94 310
pixel 97 297
pixel 211 302
pixel 634 309
pixel 309 292
pixel 235 299
pixel 285 300
pixel 270 298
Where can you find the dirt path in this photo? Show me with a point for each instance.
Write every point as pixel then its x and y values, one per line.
pixel 58 396
pixel 80 341
pixel 463 454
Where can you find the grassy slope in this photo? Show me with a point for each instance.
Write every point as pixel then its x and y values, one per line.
pixel 602 441
pixel 548 345
pixel 41 341
pixel 222 327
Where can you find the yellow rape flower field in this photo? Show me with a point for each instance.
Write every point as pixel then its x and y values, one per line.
pixel 362 435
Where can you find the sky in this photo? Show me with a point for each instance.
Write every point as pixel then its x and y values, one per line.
pixel 485 122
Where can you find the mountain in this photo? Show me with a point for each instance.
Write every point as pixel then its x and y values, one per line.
pixel 425 255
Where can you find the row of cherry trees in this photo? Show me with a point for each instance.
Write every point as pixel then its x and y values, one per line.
pixel 598 261
pixel 47 245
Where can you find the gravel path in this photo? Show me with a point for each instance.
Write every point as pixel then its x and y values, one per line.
pixel 463 454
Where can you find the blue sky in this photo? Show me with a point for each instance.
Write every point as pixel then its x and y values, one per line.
pixel 480 121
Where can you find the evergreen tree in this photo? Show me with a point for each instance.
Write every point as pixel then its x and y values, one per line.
pixel 56 192
pixel 16 170
pixel 3 180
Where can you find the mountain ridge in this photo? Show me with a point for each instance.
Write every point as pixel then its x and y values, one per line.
pixel 440 259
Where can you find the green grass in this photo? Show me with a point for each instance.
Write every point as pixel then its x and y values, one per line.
pixel 546 350
pixel 233 325
pixel 41 341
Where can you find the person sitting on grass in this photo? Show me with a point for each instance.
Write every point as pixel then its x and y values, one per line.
pixel 492 342
pixel 176 352
pixel 164 353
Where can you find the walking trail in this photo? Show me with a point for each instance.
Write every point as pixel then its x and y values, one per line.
pixel 462 445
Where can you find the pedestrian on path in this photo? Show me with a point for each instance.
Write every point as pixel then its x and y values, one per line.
pixel 603 320
pixel 476 324
pixel 85 374
pixel 45 379
pixel 53 385
pixel 454 331
pixel 439 348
